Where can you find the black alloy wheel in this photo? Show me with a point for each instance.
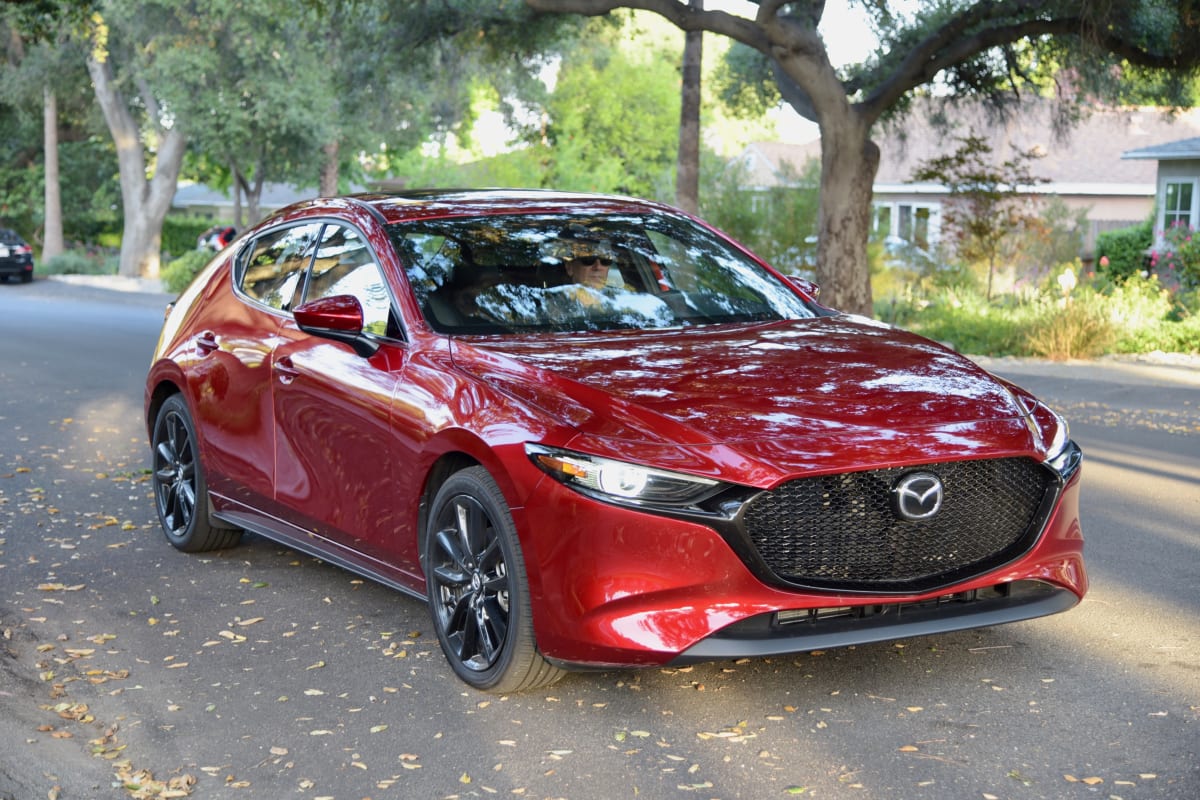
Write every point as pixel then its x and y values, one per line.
pixel 180 491
pixel 477 589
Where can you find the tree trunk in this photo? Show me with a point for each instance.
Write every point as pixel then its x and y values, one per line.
pixel 687 170
pixel 849 161
pixel 144 203
pixel 52 237
pixel 329 170
pixel 239 214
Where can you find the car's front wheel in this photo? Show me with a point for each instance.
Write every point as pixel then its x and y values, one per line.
pixel 180 491
pixel 477 589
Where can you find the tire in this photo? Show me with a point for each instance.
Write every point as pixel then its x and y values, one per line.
pixel 180 491
pixel 26 277
pixel 477 589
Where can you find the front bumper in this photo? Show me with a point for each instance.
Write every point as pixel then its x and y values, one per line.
pixel 615 587
pixel 822 628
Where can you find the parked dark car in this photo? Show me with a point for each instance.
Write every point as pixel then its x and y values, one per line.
pixel 593 431
pixel 16 257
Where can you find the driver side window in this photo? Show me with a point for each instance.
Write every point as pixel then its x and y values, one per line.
pixel 344 265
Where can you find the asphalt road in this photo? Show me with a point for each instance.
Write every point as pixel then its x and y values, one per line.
pixel 261 673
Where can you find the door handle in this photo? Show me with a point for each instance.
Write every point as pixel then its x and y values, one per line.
pixel 287 370
pixel 207 343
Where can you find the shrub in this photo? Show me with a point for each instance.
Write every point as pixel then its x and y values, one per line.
pixel 1179 260
pixel 94 228
pixel 177 274
pixel 179 233
pixel 964 320
pixel 1059 319
pixel 79 262
pixel 1125 250
pixel 1074 327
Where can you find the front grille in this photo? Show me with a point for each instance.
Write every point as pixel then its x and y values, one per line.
pixel 840 532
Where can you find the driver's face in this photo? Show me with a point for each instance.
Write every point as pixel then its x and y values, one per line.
pixel 589 271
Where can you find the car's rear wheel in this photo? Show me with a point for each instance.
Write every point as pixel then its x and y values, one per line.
pixel 180 491
pixel 477 589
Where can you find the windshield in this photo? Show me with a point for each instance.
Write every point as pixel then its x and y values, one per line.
pixel 560 272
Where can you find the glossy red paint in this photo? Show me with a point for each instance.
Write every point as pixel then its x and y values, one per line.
pixel 339 450
pixel 340 313
pixel 640 592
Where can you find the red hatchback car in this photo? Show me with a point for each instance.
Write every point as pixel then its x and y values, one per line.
pixel 593 431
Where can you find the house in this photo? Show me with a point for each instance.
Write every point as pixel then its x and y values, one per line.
pixel 1083 163
pixel 217 204
pixel 1177 189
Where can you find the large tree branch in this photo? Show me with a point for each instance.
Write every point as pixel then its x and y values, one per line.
pixel 944 47
pixel 679 13
pixel 950 45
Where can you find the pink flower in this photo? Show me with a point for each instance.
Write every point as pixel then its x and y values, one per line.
pixel 1104 261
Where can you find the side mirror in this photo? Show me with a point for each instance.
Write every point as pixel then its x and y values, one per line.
pixel 805 285
pixel 339 318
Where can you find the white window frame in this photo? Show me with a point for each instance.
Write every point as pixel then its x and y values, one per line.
pixel 930 213
pixel 1193 212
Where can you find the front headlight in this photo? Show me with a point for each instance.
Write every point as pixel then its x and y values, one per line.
pixel 1060 437
pixel 1061 452
pixel 621 481
pixel 1052 432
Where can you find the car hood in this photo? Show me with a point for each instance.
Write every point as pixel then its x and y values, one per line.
pixel 806 394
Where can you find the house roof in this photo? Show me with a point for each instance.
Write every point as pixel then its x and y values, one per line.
pixel 1184 149
pixel 274 195
pixel 1087 157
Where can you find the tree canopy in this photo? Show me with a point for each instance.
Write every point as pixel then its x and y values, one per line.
pixel 266 90
pixel 990 48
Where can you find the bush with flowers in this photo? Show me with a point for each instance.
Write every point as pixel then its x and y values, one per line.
pixel 1071 313
pixel 1177 262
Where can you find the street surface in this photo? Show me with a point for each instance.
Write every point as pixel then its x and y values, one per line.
pixel 261 673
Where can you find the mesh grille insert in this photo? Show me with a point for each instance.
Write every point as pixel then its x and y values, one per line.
pixel 839 531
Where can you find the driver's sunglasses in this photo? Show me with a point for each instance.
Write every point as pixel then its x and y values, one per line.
pixel 589 261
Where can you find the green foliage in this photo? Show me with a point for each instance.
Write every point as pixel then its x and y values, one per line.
pixel 1060 319
pixel 614 118
pixel 93 230
pixel 79 262
pixel 988 200
pixel 779 224
pixel 1055 238
pixel 1072 327
pixel 1179 259
pixel 966 321
pixel 180 233
pixel 744 82
pixel 1121 253
pixel 20 201
pixel 180 272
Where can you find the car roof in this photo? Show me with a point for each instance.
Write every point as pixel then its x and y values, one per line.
pixel 442 203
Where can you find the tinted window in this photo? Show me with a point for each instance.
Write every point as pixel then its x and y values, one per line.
pixel 573 273
pixel 275 262
pixel 344 265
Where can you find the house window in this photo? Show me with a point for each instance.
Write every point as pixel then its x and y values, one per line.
pixel 913 225
pixel 881 221
pixel 1179 203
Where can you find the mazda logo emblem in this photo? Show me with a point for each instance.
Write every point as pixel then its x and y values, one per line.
pixel 917 496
